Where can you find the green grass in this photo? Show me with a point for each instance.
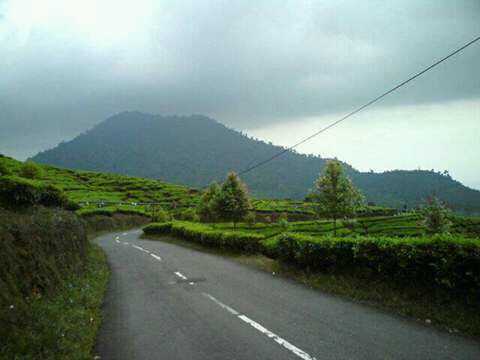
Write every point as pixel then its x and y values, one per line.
pixel 406 225
pixel 86 187
pixel 63 325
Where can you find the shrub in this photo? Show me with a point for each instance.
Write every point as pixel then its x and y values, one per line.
pixel 39 248
pixel 161 216
pixel 232 203
pixel 447 261
pixel 206 208
pixel 436 217
pixel 250 219
pixel 158 228
pixel 188 214
pixel 30 170
pixel 283 222
pixel 50 196
pixel 282 217
pixel 19 192
pixel 4 170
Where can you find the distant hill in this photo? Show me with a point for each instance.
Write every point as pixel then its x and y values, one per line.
pixel 195 150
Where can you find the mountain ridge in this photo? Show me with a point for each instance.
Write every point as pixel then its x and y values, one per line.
pixel 195 150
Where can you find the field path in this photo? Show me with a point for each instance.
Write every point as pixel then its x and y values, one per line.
pixel 166 301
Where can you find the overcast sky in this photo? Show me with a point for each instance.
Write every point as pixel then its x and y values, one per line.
pixel 277 69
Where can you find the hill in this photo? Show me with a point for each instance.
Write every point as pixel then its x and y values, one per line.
pixel 195 150
pixel 116 193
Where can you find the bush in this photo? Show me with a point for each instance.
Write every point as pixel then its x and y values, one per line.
pixel 436 217
pixel 39 248
pixel 158 228
pixel 188 214
pixel 250 219
pixel 447 261
pixel 4 170
pixel 205 235
pixel 30 170
pixel 19 192
pixel 161 216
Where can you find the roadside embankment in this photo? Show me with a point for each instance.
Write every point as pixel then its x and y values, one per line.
pixel 52 281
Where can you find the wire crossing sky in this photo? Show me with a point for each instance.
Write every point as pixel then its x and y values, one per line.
pixel 277 71
pixel 357 110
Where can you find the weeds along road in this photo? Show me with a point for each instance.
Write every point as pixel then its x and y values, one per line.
pixel 166 301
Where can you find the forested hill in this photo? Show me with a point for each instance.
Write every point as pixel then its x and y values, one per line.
pixel 195 150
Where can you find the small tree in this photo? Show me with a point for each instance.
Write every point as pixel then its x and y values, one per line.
pixel 206 209
pixel 30 170
pixel 232 203
pixel 336 196
pixel 436 217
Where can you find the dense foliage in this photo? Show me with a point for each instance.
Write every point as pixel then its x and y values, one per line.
pixel 450 262
pixel 114 192
pixel 30 170
pixel 205 235
pixel 207 206
pixel 196 151
pixel 19 192
pixel 436 217
pixel 231 203
pixel 335 195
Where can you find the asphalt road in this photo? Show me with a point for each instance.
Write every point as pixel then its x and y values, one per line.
pixel 166 301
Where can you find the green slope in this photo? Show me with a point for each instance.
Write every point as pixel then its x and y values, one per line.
pixel 195 150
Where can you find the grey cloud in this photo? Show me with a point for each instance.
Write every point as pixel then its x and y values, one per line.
pixel 248 63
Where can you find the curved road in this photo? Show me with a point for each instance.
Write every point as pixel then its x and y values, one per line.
pixel 166 301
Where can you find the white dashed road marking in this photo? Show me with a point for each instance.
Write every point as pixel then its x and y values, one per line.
pixel 180 275
pixel 300 353
pixel 226 307
pixel 156 257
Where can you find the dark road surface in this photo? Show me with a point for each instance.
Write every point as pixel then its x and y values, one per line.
pixel 166 301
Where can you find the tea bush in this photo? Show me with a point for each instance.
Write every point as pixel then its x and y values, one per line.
pixel 447 261
pixel 205 235
pixel 19 192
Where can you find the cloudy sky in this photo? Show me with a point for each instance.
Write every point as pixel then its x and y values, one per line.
pixel 279 70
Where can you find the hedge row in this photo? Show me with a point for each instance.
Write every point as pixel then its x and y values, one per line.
pixel 205 235
pixel 451 262
pixel 20 192
pixel 110 211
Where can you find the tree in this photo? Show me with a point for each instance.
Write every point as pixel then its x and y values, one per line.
pixel 336 196
pixel 207 208
pixel 232 203
pixel 436 216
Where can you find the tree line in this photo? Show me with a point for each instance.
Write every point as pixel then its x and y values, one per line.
pixel 334 195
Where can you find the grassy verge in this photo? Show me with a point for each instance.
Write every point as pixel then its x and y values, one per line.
pixel 63 325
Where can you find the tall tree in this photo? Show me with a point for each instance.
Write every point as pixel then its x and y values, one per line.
pixel 232 202
pixel 336 196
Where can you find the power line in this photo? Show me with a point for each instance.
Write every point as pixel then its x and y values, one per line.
pixel 357 110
